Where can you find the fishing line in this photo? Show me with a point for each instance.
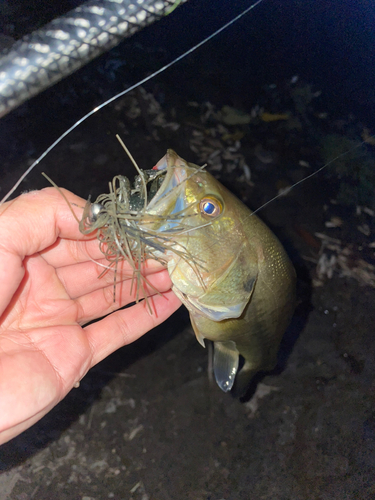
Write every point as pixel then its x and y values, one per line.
pixel 288 191
pixel 359 145
pixel 129 89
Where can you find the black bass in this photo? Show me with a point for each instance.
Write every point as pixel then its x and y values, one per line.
pixel 227 267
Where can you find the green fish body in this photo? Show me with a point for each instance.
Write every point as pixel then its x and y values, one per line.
pixel 238 284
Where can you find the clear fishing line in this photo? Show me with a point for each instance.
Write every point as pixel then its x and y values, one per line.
pixel 129 89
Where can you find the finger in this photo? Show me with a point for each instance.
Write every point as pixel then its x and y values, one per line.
pixel 67 252
pixel 101 302
pixel 35 220
pixel 126 326
pixel 84 278
pixel 29 224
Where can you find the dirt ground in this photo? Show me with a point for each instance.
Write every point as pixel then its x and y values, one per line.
pixel 147 423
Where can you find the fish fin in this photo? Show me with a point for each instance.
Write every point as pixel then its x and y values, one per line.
pixel 226 359
pixel 217 313
pixel 245 380
pixel 200 338
pixel 198 334
pixel 228 296
pixel 249 375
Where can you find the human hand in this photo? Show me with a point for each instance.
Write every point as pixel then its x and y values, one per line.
pixel 49 288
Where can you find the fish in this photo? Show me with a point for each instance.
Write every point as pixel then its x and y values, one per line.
pixel 227 267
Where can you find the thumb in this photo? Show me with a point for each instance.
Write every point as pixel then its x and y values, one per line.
pixel 29 224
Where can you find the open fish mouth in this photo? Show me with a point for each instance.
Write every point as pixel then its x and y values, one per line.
pixel 174 175
pixel 153 196
pixel 143 220
pixel 170 199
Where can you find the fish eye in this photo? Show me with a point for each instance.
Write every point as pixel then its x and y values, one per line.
pixel 210 206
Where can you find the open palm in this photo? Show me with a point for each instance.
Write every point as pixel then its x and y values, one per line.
pixel 49 289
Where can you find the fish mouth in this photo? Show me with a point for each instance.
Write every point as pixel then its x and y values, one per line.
pixel 169 198
pixel 156 200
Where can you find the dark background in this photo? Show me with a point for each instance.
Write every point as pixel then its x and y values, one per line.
pixel 146 423
pixel 328 44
